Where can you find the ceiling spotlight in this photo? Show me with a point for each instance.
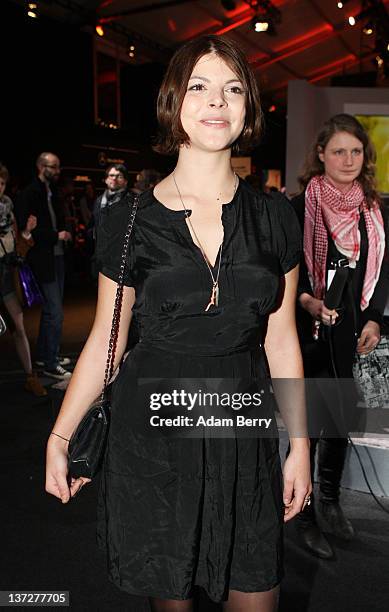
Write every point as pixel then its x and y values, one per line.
pixel 379 60
pixel 260 25
pixel 99 30
pixel 352 20
pixel 368 29
pixel 266 18
pixel 340 5
pixel 32 10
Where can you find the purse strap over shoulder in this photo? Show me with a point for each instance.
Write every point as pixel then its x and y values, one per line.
pixel 119 298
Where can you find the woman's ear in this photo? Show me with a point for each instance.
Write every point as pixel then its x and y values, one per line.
pixel 320 153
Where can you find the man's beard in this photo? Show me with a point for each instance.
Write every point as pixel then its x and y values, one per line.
pixel 52 178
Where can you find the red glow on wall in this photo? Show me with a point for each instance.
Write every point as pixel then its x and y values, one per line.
pixel 332 68
pixel 172 25
pixel 326 28
pixel 107 77
pixel 106 3
pixel 238 11
pixel 233 26
pixel 294 46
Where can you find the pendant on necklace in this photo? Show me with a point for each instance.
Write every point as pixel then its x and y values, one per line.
pixel 214 300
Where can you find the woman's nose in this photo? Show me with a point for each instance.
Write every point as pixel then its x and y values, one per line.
pixel 217 99
pixel 348 160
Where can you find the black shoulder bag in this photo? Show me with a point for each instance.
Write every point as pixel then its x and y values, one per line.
pixel 88 442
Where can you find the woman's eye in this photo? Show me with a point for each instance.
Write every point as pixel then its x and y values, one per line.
pixel 196 87
pixel 357 152
pixel 235 89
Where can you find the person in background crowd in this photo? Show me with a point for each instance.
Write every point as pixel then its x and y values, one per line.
pixel 146 179
pixel 116 181
pixel 340 212
pixel 9 303
pixel 87 201
pixel 46 258
pixel 255 180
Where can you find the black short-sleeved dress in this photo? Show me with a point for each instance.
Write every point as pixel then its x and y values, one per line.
pixel 174 514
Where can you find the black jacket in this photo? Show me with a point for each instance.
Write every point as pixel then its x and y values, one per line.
pixel 346 333
pixel 33 201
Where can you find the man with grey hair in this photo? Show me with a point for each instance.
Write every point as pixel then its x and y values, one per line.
pixel 46 257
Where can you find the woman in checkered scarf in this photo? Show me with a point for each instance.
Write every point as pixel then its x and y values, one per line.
pixel 344 224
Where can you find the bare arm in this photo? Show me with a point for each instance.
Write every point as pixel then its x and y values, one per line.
pixel 285 362
pixel 86 383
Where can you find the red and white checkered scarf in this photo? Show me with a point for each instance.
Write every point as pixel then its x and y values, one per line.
pixel 327 208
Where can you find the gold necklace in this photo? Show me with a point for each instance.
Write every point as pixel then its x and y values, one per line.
pixel 214 298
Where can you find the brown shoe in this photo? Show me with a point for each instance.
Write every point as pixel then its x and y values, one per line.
pixel 34 385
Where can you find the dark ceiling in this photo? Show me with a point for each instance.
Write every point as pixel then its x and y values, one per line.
pixel 313 40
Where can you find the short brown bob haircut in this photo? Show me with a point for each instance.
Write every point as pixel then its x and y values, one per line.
pixel 174 86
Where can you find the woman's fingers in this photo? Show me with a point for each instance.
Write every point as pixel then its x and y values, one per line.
pixel 77 484
pixel 369 338
pixel 298 503
pixel 289 500
pixel 367 342
pixel 327 316
pixel 58 486
pixel 288 492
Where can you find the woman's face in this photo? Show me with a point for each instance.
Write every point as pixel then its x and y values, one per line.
pixel 2 186
pixel 342 159
pixel 214 106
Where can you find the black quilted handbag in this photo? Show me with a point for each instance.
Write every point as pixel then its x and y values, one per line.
pixel 87 443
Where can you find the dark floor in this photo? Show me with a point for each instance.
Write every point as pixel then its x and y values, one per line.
pixel 47 546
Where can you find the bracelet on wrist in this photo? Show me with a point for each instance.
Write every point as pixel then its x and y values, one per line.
pixel 58 436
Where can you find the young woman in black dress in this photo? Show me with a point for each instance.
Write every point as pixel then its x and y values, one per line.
pixel 211 279
pixel 340 212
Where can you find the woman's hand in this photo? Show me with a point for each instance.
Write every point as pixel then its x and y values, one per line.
pixel 57 471
pixel 297 480
pixel 369 338
pixel 31 223
pixel 317 310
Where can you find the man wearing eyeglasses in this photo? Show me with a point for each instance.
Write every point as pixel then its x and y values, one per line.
pixel 46 257
pixel 116 181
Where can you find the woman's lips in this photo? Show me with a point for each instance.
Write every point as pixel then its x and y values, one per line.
pixel 215 123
